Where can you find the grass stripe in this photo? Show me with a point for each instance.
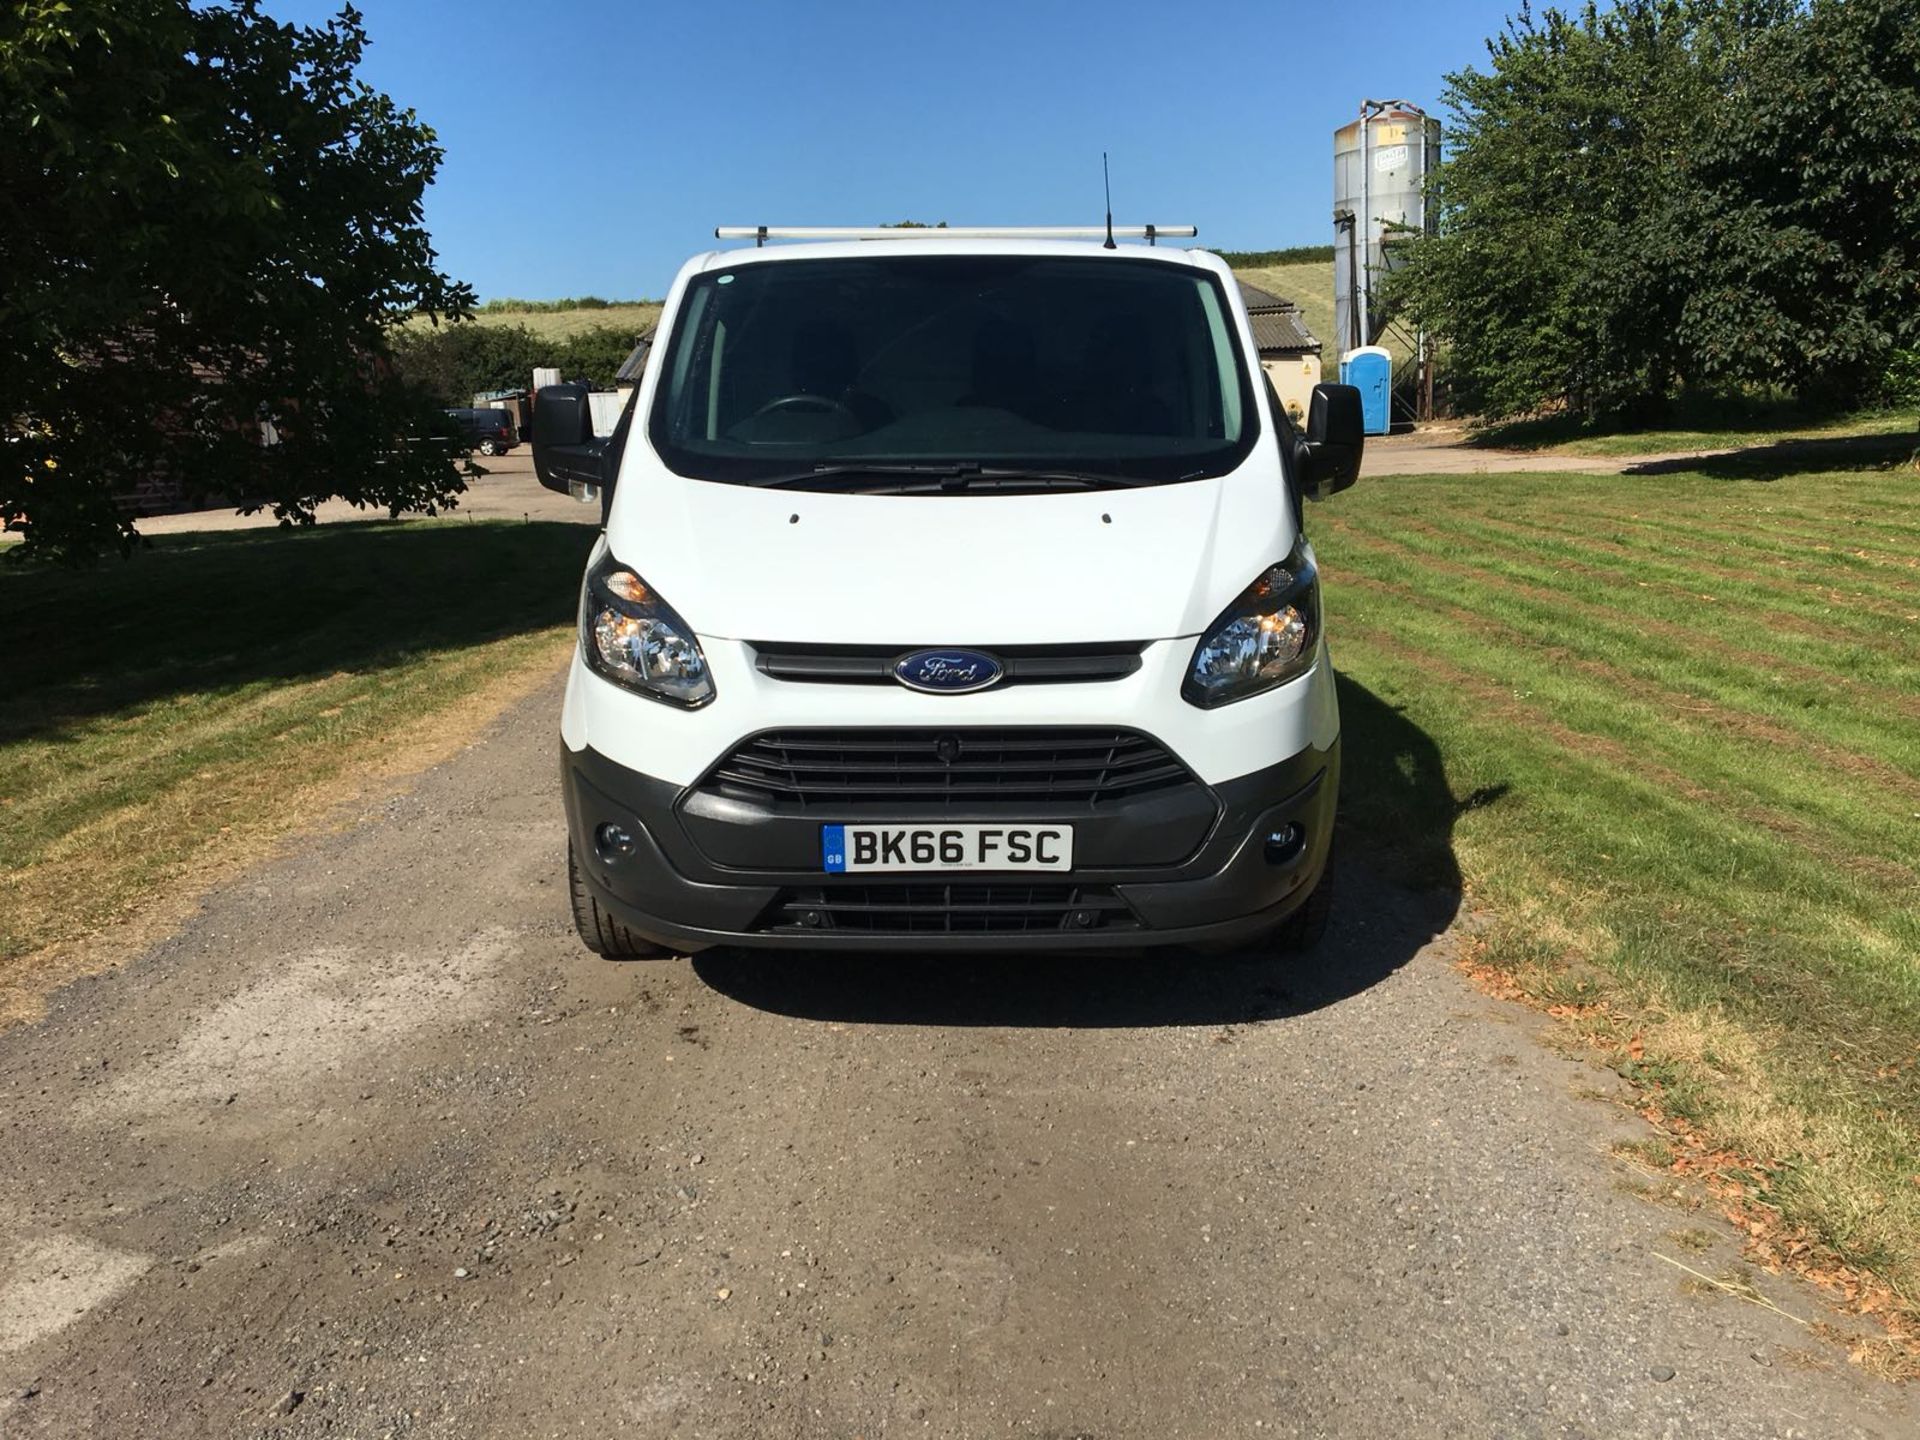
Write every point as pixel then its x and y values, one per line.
pixel 1702 855
pixel 1820 674
pixel 1782 597
pixel 1894 570
pixel 1786 791
pixel 1778 582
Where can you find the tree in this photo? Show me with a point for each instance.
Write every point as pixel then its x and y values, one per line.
pixel 1707 192
pixel 1565 154
pixel 1802 240
pixel 457 362
pixel 210 223
pixel 596 354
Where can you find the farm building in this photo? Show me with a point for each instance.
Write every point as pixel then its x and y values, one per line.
pixel 1288 352
pixel 627 377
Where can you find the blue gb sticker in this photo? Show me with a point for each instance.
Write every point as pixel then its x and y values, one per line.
pixel 833 847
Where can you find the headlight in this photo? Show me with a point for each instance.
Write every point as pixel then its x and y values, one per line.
pixel 1266 637
pixel 633 638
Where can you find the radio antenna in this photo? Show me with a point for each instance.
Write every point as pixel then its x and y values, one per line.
pixel 1107 179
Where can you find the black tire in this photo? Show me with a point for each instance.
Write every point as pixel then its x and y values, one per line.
pixel 599 931
pixel 1307 926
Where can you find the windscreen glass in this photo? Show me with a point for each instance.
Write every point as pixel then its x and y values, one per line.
pixel 1101 364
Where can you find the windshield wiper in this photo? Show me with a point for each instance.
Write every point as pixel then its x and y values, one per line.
pixel 1090 479
pixel 957 478
pixel 857 470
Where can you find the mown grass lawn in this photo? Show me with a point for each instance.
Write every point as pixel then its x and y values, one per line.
pixel 1687 711
pixel 169 717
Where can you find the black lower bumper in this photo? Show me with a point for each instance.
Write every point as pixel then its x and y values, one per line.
pixel 1237 881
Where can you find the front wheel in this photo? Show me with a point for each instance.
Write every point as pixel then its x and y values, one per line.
pixel 599 931
pixel 1307 926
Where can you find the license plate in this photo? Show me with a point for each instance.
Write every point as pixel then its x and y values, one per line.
pixel 852 849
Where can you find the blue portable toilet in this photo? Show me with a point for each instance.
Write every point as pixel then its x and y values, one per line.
pixel 1370 371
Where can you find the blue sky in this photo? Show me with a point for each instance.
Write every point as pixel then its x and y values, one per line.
pixel 591 149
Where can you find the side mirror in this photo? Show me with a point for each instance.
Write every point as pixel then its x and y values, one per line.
pixel 566 455
pixel 1328 458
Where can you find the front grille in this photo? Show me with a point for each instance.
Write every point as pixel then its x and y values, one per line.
pixel 951 768
pixel 933 908
pixel 873 664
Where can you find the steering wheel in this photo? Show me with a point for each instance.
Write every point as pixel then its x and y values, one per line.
pixel 811 404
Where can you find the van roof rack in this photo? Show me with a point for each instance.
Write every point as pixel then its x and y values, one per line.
pixel 760 234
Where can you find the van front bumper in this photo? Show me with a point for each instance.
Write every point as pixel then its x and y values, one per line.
pixel 1242 870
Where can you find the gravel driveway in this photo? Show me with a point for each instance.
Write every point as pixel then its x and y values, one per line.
pixel 372 1147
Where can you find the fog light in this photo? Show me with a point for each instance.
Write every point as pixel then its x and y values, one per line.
pixel 1284 845
pixel 613 841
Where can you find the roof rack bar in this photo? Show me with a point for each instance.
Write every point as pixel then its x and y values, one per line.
pixel 760 234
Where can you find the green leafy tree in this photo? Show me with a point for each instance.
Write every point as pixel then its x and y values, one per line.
pixel 1552 275
pixel 457 362
pixel 209 222
pixel 1800 246
pixel 595 354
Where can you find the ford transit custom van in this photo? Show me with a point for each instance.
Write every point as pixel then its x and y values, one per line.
pixel 954 594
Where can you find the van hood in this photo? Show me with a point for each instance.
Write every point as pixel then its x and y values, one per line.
pixel 743 563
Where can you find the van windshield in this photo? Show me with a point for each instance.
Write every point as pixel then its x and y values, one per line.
pixel 1102 365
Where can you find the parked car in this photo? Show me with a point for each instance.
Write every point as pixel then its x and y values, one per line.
pixel 493 431
pixel 954 594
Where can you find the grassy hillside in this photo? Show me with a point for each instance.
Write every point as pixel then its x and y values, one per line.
pixel 1310 286
pixel 563 324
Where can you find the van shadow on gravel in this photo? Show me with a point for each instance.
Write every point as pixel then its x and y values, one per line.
pixel 1399 886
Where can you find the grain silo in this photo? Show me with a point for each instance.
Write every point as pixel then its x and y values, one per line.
pixel 1380 166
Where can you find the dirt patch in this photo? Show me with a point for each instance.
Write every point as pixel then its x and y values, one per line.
pixel 56 1281
pixel 312 1017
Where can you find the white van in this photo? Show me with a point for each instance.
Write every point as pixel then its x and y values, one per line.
pixel 953 595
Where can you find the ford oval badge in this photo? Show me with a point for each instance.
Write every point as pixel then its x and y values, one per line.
pixel 947 672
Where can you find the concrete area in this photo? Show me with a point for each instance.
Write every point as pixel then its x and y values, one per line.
pixel 1444 451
